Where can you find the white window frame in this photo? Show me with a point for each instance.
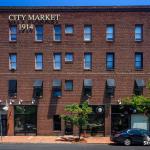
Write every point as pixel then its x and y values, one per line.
pixel 54 62
pixel 108 33
pixel 90 33
pixel 66 58
pixel 88 68
pixel 60 34
pixel 36 39
pixel 10 33
pixel 140 33
pixel 36 66
pixel 11 62
pixel 71 26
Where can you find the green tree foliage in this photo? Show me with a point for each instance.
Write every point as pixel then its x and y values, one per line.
pixel 78 114
pixel 140 103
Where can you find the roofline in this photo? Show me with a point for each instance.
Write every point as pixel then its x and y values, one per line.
pixel 10 9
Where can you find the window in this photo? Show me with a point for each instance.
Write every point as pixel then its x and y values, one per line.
pixel 57 61
pixel 87 89
pixel 39 33
pixel 56 91
pixel 57 33
pixel 69 29
pixel 12 88
pixel 87 61
pixel 110 32
pixel 87 33
pixel 138 32
pixel 97 119
pixel 25 119
pixel 38 61
pixel 139 85
pixel 110 61
pixel 38 89
pixel 68 85
pixel 56 123
pixel 120 119
pixel 138 60
pixel 12 61
pixel 110 87
pixel 69 57
pixel 13 33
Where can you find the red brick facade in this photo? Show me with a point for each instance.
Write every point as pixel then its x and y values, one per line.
pixel 124 47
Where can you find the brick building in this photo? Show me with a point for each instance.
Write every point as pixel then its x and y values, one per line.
pixel 54 56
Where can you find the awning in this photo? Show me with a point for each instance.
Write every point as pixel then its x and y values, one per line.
pixel 110 83
pixel 38 83
pixel 56 83
pixel 87 82
pixel 139 83
pixel 12 85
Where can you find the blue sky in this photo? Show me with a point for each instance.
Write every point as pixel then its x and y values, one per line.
pixel 73 2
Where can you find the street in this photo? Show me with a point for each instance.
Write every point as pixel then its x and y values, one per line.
pixel 68 147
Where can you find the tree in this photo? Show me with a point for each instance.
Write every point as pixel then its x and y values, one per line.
pixel 139 102
pixel 78 115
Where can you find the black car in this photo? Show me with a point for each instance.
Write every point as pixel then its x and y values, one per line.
pixel 132 136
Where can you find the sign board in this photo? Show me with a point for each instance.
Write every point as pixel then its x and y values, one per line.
pixel 26 22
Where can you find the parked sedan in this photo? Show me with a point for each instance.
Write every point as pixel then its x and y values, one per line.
pixel 132 136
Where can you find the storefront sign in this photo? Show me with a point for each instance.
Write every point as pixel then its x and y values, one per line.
pixel 26 22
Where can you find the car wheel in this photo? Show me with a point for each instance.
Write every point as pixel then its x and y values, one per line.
pixel 127 142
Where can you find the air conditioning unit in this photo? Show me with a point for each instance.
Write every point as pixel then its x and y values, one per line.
pixel 12 69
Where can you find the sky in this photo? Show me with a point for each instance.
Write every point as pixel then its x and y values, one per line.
pixel 73 2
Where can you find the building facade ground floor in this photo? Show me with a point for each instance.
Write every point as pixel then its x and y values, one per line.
pixel 103 121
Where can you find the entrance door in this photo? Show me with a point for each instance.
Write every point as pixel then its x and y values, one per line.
pixel 3 125
pixel 139 121
pixel 68 128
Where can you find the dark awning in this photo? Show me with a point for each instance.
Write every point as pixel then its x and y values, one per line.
pixel 110 83
pixel 56 83
pixel 12 85
pixel 38 83
pixel 87 82
pixel 140 83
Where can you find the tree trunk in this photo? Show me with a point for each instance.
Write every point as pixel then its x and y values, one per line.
pixel 80 129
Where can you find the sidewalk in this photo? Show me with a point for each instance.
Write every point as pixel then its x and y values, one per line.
pixel 51 139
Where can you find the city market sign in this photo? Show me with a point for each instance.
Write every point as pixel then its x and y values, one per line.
pixel 26 22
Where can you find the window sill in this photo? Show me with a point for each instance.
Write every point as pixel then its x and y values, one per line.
pixel 138 41
pixel 87 69
pixel 38 69
pixel 12 70
pixel 68 62
pixel 56 97
pixel 38 41
pixel 139 69
pixel 13 41
pixel 68 90
pixel 56 69
pixel 56 131
pixel 69 34
pixel 110 69
pixel 110 41
pixel 57 41
pixel 87 41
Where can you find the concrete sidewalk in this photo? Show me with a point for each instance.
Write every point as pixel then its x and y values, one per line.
pixel 51 139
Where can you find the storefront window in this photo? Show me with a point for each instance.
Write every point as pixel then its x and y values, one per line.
pixel 96 126
pixel 120 118
pixel 25 119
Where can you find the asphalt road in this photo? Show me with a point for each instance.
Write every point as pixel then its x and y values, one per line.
pixel 69 147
